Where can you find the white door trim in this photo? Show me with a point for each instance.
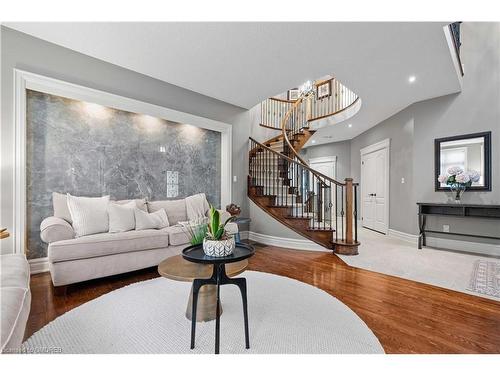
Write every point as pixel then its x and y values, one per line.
pixel 323 159
pixel 384 144
pixel 326 159
pixel 24 80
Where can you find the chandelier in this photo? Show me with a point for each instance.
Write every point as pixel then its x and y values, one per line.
pixel 307 89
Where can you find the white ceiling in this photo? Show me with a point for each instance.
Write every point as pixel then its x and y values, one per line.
pixel 244 63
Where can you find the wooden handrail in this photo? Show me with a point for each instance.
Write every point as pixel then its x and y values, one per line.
pixel 273 109
pixel 284 130
pixel 333 113
pixel 283 100
pixel 305 166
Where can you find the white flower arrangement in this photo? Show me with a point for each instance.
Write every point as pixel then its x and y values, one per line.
pixel 458 180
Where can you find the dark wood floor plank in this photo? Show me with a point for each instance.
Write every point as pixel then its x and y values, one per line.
pixel 406 316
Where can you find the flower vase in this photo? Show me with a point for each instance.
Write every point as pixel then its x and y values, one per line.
pixel 458 194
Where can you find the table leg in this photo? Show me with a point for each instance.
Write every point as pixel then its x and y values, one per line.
pixel 219 278
pixel 242 284
pixel 421 235
pixel 217 315
pixel 197 283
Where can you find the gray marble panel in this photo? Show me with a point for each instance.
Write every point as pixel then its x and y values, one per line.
pixel 86 149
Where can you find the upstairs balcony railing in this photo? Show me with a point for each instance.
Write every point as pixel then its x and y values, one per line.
pixel 336 99
pixel 455 35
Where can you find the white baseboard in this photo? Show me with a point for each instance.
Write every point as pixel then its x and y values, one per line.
pixel 290 243
pixel 448 243
pixel 470 247
pixel 39 265
pixel 412 238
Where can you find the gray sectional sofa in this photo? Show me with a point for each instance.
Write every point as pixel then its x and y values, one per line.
pixel 72 260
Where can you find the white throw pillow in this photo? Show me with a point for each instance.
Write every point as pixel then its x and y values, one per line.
pixel 121 217
pixel 60 204
pixel 154 220
pixel 89 215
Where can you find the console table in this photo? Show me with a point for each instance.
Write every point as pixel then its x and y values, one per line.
pixel 456 210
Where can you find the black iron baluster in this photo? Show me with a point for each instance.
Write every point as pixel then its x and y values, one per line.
pixel 336 214
pixel 356 213
pixel 342 210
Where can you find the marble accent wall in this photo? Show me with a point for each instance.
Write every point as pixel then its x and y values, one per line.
pixel 89 150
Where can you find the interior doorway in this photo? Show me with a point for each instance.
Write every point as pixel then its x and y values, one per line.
pixel 375 186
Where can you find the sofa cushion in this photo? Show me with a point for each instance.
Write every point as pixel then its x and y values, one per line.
pixel 122 217
pixel 15 309
pixel 60 205
pixel 14 271
pixel 176 210
pixel 231 228
pixel 54 229
pixel 140 203
pixel 106 244
pixel 177 235
pixel 89 214
pixel 153 220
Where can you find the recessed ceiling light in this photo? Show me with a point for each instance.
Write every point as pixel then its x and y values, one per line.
pixel 313 141
pixel 412 79
pixel 350 125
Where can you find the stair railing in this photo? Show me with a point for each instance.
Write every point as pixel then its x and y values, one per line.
pixel 340 98
pixel 307 194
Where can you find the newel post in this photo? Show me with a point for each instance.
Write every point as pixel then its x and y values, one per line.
pixel 349 213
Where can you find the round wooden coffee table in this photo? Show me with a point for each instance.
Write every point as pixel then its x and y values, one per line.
pixel 179 269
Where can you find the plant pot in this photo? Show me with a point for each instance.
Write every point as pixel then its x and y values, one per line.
pixel 221 248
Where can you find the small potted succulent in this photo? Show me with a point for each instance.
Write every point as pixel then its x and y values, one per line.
pixel 217 242
pixel 459 180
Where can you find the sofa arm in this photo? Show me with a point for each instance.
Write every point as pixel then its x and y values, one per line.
pixel 54 229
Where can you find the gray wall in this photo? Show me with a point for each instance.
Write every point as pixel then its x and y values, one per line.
pixel 22 51
pixel 399 129
pixel 412 132
pixel 475 109
pixel 342 150
pixel 73 147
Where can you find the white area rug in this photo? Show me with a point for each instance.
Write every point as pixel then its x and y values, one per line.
pixel 485 278
pixel 395 257
pixel 285 316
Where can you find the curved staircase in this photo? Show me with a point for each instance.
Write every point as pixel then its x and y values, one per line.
pixel 283 185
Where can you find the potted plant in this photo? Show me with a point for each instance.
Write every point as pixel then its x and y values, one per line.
pixel 458 180
pixel 217 242
pixel 196 230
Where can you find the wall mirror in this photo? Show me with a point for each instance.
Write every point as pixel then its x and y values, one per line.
pixel 470 152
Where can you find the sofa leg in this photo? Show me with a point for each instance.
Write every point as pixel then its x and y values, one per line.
pixel 60 290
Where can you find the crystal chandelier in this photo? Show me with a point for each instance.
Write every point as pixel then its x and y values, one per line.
pixel 306 89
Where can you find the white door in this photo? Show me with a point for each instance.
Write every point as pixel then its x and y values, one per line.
pixel 324 166
pixel 375 190
pixel 327 166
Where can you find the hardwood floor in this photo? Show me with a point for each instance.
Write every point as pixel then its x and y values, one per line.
pixel 406 316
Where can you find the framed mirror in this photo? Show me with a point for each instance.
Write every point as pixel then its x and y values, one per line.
pixel 470 153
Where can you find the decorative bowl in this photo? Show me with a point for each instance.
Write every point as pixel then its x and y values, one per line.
pixel 218 249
